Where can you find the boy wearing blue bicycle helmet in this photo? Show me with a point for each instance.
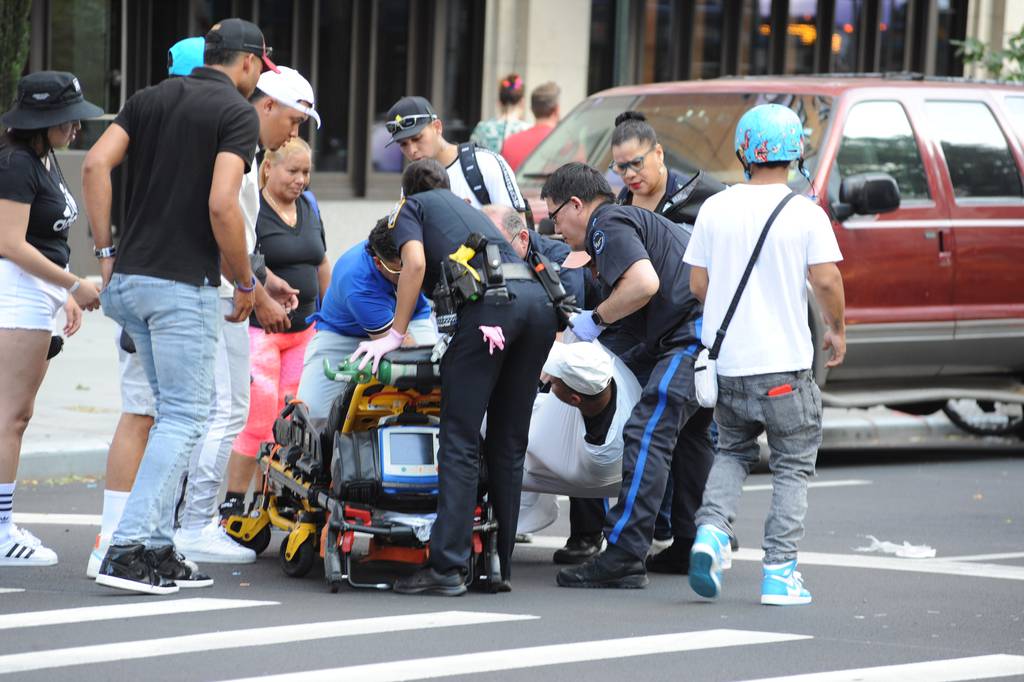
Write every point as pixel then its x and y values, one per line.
pixel 753 249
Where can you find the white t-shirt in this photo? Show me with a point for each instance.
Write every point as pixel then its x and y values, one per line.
pixel 769 331
pixel 559 460
pixel 249 200
pixel 499 180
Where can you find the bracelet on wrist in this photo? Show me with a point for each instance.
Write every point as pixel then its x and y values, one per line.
pixel 247 289
pixel 105 252
pixel 74 287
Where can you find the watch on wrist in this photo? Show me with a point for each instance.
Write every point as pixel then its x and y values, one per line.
pixel 105 252
pixel 596 317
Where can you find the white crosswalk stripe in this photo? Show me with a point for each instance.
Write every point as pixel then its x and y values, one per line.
pixel 953 670
pixel 118 611
pixel 247 638
pixel 537 656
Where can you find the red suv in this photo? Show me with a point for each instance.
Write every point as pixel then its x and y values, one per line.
pixel 934 276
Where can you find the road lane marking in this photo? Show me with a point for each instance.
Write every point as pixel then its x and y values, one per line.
pixel 986 557
pixel 239 639
pixel 28 518
pixel 952 670
pixel 9 590
pixel 933 566
pixel 841 483
pixel 535 657
pixel 88 614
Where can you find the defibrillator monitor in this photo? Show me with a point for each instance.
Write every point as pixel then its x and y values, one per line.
pixel 408 457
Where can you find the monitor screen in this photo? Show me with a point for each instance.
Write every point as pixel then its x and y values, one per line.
pixel 414 449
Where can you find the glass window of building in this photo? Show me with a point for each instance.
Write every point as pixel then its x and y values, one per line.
pixel 952 25
pixel 276 20
pixel 85 39
pixel 801 36
pixel 461 104
pixel 977 155
pixel 755 37
pixel 333 86
pixel 846 35
pixel 601 61
pixel 708 29
pixel 390 80
pixel 892 35
pixel 877 137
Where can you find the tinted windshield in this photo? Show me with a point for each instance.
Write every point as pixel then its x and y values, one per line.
pixel 696 130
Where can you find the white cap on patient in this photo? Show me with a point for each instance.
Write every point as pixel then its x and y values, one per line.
pixel 584 367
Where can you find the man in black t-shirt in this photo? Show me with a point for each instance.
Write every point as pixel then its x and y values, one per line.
pixel 185 144
pixel 639 258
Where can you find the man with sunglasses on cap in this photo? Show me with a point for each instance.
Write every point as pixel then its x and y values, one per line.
pixel 186 143
pixel 477 175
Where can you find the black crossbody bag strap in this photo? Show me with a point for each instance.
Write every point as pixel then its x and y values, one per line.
pixel 720 335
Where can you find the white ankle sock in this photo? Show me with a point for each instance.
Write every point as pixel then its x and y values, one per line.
pixel 6 509
pixel 113 509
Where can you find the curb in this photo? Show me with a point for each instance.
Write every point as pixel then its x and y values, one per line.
pixel 54 462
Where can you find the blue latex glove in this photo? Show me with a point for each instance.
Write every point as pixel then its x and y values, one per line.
pixel 377 348
pixel 583 326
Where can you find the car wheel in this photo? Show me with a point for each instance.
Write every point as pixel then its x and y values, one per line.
pixel 986 418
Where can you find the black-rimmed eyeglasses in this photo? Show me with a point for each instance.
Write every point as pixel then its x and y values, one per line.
pixel 554 214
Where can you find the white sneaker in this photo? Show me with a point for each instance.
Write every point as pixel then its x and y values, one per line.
pixel 24 549
pixel 99 550
pixel 212 545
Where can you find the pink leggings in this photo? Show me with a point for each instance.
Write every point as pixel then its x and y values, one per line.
pixel 276 366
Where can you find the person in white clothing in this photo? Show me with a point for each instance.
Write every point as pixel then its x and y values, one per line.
pixel 764 361
pixel 575 443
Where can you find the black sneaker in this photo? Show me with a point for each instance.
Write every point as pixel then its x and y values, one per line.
pixel 427 580
pixel 578 549
pixel 173 566
pixel 611 568
pixel 673 559
pixel 129 567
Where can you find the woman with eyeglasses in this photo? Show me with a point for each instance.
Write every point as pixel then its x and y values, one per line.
pixel 36 214
pixel 359 305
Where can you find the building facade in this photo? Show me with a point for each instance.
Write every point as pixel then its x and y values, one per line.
pixel 362 55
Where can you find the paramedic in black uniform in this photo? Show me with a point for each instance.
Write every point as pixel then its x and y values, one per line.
pixel 428 226
pixel 639 256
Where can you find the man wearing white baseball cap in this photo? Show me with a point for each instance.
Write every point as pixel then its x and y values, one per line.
pixel 288 88
pixel 575 442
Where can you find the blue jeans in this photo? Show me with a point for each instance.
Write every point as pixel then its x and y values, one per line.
pixel 175 328
pixel 792 424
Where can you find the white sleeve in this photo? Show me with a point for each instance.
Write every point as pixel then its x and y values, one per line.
pixel 822 246
pixel 696 251
pixel 499 180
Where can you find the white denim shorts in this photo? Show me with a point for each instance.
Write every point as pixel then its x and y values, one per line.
pixel 136 393
pixel 26 301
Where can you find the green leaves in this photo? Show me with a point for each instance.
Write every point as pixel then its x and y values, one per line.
pixel 1005 65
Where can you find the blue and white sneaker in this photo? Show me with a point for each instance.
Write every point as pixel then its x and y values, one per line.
pixel 710 550
pixel 783 585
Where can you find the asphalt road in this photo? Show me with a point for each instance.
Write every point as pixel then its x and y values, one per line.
pixel 870 610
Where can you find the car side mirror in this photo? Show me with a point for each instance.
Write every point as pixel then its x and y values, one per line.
pixel 867 194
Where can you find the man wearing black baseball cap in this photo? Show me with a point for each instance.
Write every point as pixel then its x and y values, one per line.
pixel 478 176
pixel 185 143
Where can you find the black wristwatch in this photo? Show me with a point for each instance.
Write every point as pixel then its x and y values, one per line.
pixel 596 316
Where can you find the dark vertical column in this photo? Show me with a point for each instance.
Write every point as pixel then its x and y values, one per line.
pixel 825 24
pixel 779 23
pixel 361 101
pixel 731 26
pixel 870 38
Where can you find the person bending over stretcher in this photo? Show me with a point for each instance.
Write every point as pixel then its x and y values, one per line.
pixel 575 442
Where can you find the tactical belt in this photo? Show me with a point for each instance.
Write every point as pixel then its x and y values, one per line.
pixel 517 271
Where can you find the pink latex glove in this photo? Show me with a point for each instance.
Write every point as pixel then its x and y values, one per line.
pixel 377 348
pixel 494 337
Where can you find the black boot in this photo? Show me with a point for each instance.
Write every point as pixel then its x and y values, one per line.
pixel 579 548
pixel 427 580
pixel 612 568
pixel 673 559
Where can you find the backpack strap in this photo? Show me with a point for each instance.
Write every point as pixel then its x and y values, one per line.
pixel 471 171
pixel 311 198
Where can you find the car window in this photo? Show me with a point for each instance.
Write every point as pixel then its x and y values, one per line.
pixel 586 129
pixel 877 137
pixel 1015 107
pixel 977 155
pixel 696 130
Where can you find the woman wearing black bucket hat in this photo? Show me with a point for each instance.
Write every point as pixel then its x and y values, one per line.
pixel 36 213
